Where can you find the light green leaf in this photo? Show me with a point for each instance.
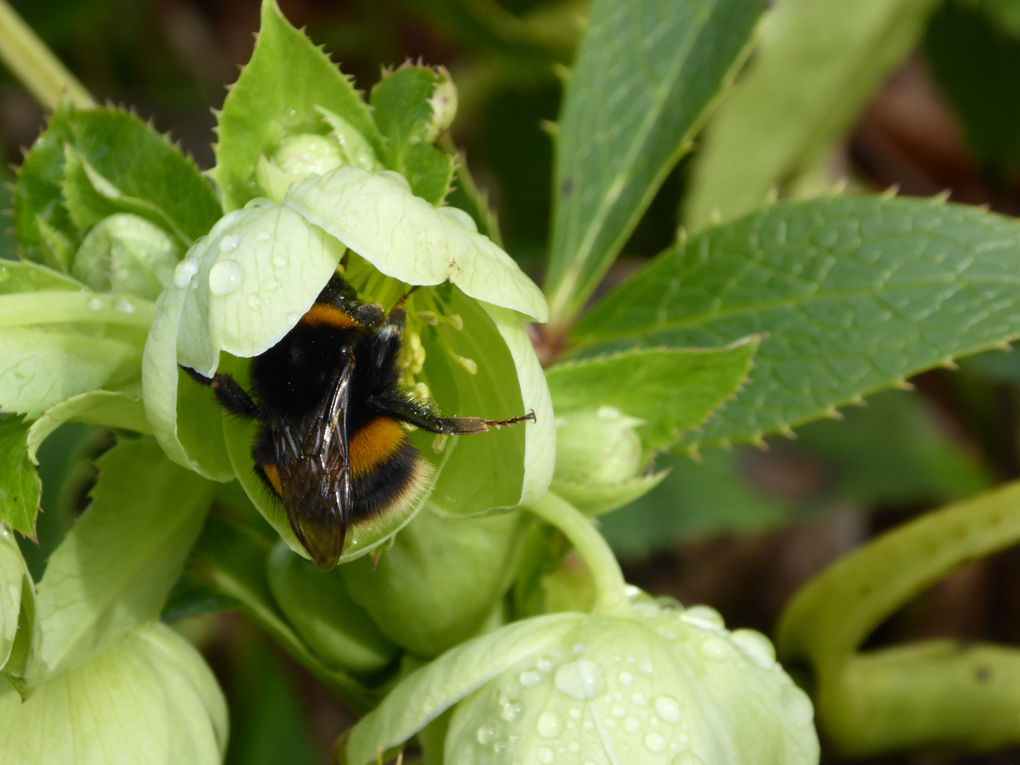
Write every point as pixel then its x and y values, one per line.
pixel 670 389
pixel 406 105
pixel 645 75
pixel 111 409
pixel 57 344
pixel 436 585
pixel 25 276
pixel 817 64
pixel 114 569
pixel 855 294
pixel 19 483
pixel 428 692
pixel 405 237
pixel 276 96
pixel 149 697
pixel 18 634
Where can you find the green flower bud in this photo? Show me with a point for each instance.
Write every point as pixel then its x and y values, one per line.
pixel 298 157
pixel 444 106
pixel 436 585
pixel 600 460
pixel 658 685
pixel 125 253
pixel 321 611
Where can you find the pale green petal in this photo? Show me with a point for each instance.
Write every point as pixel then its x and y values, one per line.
pixel 407 238
pixel 240 290
pixel 149 698
pixel 424 695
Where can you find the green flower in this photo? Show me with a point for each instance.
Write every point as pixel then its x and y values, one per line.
pixel 652 684
pixel 240 289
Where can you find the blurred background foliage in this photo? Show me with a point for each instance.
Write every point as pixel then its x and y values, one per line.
pixel 740 529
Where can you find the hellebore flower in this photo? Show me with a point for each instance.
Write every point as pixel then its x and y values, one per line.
pixel 240 289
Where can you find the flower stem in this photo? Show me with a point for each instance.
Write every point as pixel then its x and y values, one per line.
pixel 35 65
pixel 610 592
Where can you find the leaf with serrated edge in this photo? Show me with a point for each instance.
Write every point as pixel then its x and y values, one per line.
pixel 114 569
pixel 816 66
pixel 424 695
pixel 19 483
pixel 149 697
pixel 671 389
pixel 644 79
pixel 855 294
pixel 276 96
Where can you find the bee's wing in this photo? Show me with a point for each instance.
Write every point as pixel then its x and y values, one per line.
pixel 315 475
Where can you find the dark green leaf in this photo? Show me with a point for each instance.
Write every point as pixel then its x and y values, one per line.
pixel 671 389
pixel 855 294
pixel 19 483
pixel 275 97
pixel 124 150
pixel 645 75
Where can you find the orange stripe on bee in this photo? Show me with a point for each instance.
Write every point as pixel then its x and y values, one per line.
pixel 374 444
pixel 274 477
pixel 323 314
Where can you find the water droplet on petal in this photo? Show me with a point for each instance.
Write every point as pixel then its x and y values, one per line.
pixel 511 712
pixel 396 177
pixel 655 742
pixel 639 698
pixel 632 724
pixel 704 617
pixel 544 665
pixel 550 725
pixel 647 668
pixel 668 709
pixel 530 678
pixel 716 649
pixel 293 318
pixel 665 632
pixel 225 277
pixel 262 236
pixel 545 755
pixel 254 302
pixel 485 734
pixel 626 678
pixel 575 713
pixel 271 284
pixel 229 243
pixel 280 260
pixel 756 647
pixel 581 679
pixel 618 710
pixel 574 746
pixel 95 304
pixel 124 305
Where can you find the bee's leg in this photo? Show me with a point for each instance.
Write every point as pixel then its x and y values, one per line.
pixel 229 393
pixel 420 416
pixel 405 296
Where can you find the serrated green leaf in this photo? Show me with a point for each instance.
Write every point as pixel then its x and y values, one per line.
pixel 149 697
pixel 645 75
pixel 276 96
pixel 26 276
pixel 90 197
pixel 124 150
pixel 816 66
pixel 671 389
pixel 403 110
pixel 19 483
pixel 855 294
pixel 436 686
pixel 115 568
pixel 977 65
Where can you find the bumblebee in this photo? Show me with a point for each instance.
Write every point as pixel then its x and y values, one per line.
pixel 331 442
